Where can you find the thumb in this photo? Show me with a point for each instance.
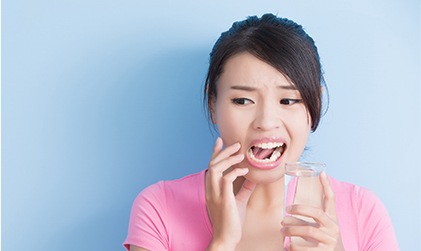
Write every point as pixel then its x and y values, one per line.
pixel 245 191
pixel 329 200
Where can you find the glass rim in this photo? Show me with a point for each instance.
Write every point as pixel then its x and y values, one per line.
pixel 314 166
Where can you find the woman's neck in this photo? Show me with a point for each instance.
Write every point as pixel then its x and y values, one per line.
pixel 265 196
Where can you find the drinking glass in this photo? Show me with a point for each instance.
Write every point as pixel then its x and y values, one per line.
pixel 302 187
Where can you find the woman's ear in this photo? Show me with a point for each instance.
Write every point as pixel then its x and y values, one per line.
pixel 211 106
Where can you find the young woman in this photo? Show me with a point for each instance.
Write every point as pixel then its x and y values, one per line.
pixel 263 91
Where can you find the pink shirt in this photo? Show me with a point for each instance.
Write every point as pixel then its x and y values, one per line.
pixel 172 215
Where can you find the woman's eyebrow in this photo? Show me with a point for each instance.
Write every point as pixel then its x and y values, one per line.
pixel 243 88
pixel 288 87
pixel 250 88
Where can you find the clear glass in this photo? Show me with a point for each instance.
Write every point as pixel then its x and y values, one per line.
pixel 302 187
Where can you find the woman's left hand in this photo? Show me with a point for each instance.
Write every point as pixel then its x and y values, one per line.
pixel 325 233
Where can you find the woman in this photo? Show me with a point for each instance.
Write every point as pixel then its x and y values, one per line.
pixel 263 91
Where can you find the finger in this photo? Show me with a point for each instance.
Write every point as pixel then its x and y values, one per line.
pixel 216 173
pixel 309 233
pixel 223 165
pixel 317 214
pixel 220 153
pixel 298 247
pixel 329 200
pixel 295 221
pixel 228 180
pixel 217 148
pixel 245 191
pixel 225 153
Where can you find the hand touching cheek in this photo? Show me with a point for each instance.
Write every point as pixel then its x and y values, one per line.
pixel 226 210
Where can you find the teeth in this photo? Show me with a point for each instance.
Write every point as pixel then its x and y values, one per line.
pixel 275 155
pixel 269 145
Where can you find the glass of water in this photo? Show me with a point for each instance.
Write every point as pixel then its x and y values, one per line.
pixel 302 187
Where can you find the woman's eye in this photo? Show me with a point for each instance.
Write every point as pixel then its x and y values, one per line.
pixel 289 101
pixel 241 101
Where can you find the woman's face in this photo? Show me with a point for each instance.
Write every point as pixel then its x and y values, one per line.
pixel 260 108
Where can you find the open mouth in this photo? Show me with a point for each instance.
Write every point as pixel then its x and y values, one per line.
pixel 266 152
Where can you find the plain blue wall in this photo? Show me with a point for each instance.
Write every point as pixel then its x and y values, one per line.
pixel 102 98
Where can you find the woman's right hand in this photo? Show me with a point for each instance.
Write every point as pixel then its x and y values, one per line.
pixel 226 210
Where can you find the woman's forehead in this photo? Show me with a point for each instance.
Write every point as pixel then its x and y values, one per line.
pixel 244 71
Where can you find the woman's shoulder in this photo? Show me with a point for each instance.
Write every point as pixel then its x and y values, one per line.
pixel 158 208
pixel 352 191
pixel 358 203
pixel 167 189
pixel 364 219
pixel 188 180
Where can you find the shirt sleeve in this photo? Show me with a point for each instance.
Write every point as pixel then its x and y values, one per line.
pixel 376 229
pixel 147 227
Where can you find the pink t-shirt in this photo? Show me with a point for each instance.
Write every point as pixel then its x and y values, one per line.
pixel 172 215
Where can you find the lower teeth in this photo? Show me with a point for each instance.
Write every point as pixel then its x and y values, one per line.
pixel 275 155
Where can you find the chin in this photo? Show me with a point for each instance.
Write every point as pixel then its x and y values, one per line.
pixel 259 176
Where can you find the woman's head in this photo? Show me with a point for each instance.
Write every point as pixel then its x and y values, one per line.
pixel 279 42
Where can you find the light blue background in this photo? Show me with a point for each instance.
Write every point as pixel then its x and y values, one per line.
pixel 102 98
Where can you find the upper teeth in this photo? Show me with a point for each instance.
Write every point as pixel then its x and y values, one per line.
pixel 274 156
pixel 269 145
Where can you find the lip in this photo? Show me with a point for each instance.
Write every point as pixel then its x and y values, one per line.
pixel 270 165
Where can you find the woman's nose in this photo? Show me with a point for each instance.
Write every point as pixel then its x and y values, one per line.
pixel 267 118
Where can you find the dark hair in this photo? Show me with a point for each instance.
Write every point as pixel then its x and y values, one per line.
pixel 279 42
